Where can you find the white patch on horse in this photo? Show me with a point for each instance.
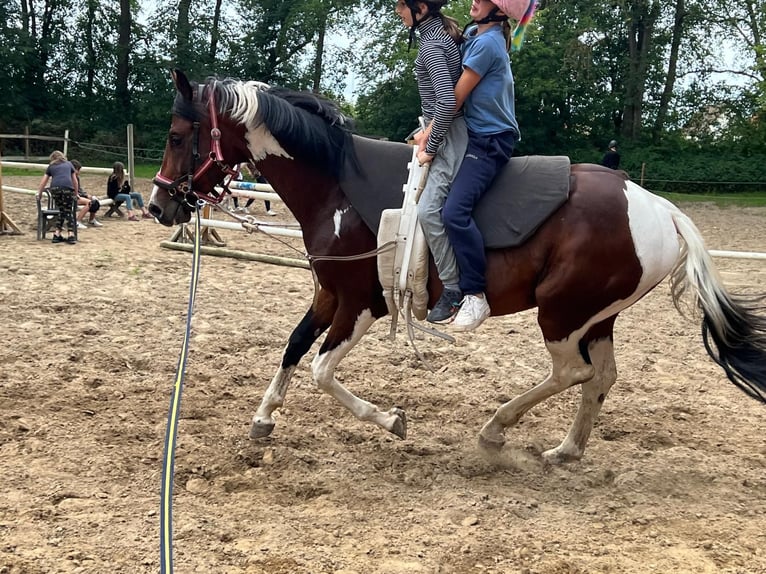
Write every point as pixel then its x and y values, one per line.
pixel 323 365
pixel 261 143
pixel 656 245
pixel 337 217
pixel 153 196
pixel 654 234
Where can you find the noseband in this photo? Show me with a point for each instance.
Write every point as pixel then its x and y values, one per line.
pixel 182 189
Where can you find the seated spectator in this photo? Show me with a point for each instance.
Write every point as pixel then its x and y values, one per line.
pixel 118 189
pixel 90 203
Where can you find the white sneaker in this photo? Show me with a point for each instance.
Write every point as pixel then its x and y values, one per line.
pixel 81 226
pixel 271 212
pixel 473 311
pixel 95 223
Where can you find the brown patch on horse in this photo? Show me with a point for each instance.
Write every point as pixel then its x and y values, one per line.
pixel 543 273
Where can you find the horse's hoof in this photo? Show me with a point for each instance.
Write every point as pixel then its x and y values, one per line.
pixel 557 456
pixel 491 445
pixel 261 430
pixel 400 424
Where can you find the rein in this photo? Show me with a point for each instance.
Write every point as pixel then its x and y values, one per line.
pixel 251 225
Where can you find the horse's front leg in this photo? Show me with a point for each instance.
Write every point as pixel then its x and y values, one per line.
pixel 313 324
pixel 341 338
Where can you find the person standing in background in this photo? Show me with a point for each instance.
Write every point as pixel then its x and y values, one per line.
pixel 611 158
pixel 64 188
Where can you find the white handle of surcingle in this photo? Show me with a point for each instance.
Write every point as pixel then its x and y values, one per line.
pixel 408 222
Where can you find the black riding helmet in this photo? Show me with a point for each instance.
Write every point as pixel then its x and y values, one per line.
pixel 434 6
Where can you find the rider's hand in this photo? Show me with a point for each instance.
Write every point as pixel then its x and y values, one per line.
pixel 424 158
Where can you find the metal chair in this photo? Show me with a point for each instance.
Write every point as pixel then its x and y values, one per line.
pixel 47 216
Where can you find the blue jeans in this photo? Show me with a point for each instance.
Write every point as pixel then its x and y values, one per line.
pixel 484 157
pixel 128 199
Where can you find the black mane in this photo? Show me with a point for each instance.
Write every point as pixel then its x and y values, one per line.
pixel 309 127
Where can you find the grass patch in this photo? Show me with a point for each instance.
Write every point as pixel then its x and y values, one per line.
pixel 722 200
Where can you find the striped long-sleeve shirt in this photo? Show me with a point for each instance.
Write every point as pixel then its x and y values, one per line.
pixel 437 68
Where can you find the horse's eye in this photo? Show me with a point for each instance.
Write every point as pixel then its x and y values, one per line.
pixel 175 140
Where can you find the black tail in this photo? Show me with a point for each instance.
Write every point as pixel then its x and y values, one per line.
pixel 733 328
pixel 741 349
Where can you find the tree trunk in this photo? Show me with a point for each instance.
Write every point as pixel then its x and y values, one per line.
pixel 317 74
pixel 670 77
pixel 183 31
pixel 215 34
pixel 90 50
pixel 123 61
pixel 643 16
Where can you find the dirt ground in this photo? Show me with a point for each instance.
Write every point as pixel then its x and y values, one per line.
pixel 674 479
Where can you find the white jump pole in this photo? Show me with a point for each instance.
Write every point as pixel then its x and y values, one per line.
pixel 104 202
pixel 44 166
pixel 738 254
pixel 216 223
pixel 253 190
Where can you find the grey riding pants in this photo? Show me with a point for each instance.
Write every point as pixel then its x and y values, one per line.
pixel 443 169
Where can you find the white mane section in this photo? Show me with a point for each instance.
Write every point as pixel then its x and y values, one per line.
pixel 260 141
pixel 245 94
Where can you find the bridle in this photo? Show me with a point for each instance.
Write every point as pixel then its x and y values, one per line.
pixel 182 189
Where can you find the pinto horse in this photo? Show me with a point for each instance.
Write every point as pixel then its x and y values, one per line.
pixel 606 247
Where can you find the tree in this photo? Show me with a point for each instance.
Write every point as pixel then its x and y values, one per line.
pixel 122 93
pixel 642 18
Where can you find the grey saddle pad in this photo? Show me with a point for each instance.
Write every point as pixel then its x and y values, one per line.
pixel 522 196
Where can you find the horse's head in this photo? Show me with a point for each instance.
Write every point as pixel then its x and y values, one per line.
pixel 220 124
pixel 203 146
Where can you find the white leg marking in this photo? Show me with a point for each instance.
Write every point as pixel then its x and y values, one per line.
pixel 568 369
pixel 274 396
pixel 593 395
pixel 323 367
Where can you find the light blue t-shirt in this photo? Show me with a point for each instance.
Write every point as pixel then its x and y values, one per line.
pixel 490 107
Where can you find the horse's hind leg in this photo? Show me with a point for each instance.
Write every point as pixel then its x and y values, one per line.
pixel 303 336
pixel 346 331
pixel 569 368
pixel 594 393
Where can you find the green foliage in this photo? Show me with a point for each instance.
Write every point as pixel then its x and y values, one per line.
pixel 576 76
pixel 390 110
pixel 681 166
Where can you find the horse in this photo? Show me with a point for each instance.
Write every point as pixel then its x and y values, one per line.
pixel 605 248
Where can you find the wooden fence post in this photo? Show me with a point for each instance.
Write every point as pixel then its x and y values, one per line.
pixel 6 223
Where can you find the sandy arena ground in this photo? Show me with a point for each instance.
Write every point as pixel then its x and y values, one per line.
pixel 674 479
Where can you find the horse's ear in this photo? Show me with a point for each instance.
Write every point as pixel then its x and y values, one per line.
pixel 182 84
